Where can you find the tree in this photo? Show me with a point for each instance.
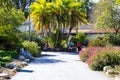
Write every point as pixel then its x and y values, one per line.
pixel 6 4
pixel 92 10
pixel 41 14
pixel 13 18
pixel 108 16
pixel 78 15
pixel 23 5
pixel 58 13
pixel 17 4
pixel 10 20
pixel 118 2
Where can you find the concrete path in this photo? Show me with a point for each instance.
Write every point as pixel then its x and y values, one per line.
pixel 58 66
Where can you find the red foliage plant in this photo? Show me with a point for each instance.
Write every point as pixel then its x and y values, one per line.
pixel 86 54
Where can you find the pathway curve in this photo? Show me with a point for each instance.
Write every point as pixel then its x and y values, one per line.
pixel 58 66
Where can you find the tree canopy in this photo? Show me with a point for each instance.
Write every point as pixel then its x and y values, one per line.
pixel 10 20
pixel 108 15
pixel 118 2
pixel 57 14
pixel 13 18
pixel 17 4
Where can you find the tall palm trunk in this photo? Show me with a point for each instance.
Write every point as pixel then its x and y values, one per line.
pixel 72 24
pixel 77 29
pixel 58 27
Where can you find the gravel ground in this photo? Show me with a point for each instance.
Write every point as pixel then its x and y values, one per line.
pixel 58 66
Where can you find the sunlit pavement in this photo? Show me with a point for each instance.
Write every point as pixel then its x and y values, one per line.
pixel 58 66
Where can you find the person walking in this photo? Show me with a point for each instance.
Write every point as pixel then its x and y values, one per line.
pixel 46 46
pixel 78 46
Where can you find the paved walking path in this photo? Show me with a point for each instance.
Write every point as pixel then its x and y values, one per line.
pixel 58 66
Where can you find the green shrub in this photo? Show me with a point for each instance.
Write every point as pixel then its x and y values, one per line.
pixel 2 63
pixel 55 39
pixel 6 56
pixel 34 37
pixel 105 58
pixel 32 47
pixel 12 54
pixel 52 38
pixel 6 59
pixel 80 37
pixel 98 42
pixel 114 39
pixel 9 41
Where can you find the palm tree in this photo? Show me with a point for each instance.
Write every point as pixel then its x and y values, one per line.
pixel 41 14
pixel 57 15
pixel 78 15
pixel 61 12
pixel 68 13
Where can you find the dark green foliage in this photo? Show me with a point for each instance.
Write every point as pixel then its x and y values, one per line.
pixel 6 56
pixel 5 59
pixel 34 37
pixel 12 54
pixel 104 59
pixel 98 42
pixel 80 37
pixel 51 39
pixel 110 39
pixel 10 20
pixel 9 41
pixel 55 39
pixel 114 39
pixel 8 28
pixel 2 63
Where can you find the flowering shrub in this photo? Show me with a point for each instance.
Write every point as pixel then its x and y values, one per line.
pixel 87 53
pixel 105 58
pixel 98 57
pixel 84 54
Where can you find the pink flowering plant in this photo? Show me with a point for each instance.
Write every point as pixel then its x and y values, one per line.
pixel 98 57
pixel 86 53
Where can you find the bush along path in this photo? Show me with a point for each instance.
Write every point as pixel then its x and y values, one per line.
pixel 58 66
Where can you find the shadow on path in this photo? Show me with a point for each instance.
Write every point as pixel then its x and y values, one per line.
pixel 46 61
pixel 26 71
pixel 47 55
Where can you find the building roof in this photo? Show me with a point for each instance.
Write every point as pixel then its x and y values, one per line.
pixel 90 29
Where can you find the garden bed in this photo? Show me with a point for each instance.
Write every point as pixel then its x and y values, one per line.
pixel 98 57
pixel 106 59
pixel 11 72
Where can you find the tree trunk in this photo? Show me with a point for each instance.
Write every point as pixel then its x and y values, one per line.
pixel 72 24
